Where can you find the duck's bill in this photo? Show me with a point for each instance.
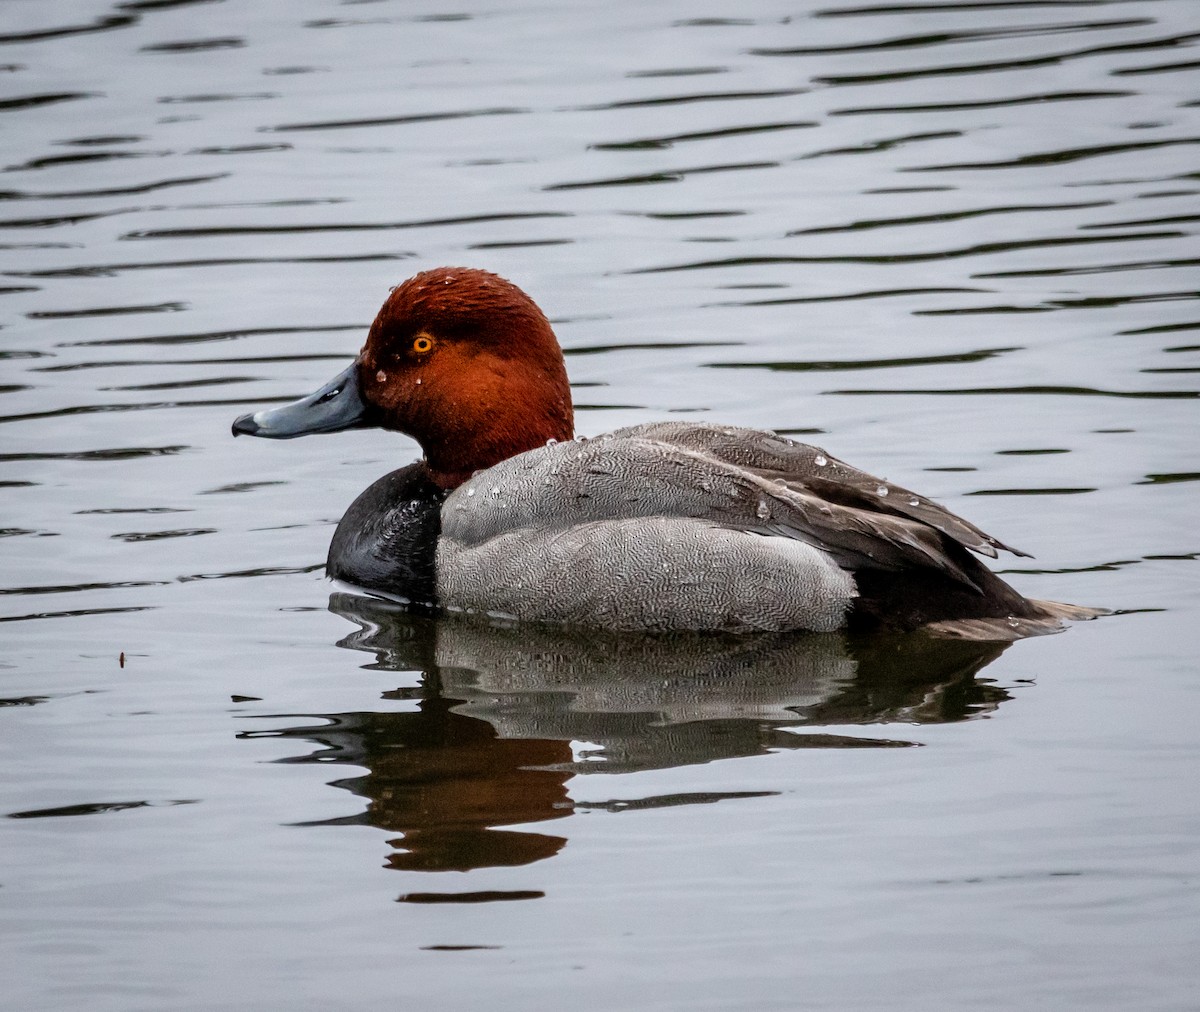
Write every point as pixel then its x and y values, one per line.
pixel 337 405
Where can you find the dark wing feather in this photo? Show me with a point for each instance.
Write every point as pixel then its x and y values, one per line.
pixel 809 470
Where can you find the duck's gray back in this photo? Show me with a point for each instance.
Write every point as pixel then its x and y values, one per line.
pixel 630 531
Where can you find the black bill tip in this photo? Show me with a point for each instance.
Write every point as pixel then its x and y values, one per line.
pixel 245 425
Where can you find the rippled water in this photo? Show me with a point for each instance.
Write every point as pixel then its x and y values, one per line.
pixel 952 242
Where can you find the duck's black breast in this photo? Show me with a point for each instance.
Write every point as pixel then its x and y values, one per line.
pixel 387 540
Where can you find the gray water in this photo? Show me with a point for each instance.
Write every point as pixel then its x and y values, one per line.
pixel 953 243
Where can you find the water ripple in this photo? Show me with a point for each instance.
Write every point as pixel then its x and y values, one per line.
pixel 1162 68
pixel 137 537
pixel 102 409
pixel 204 337
pixel 118 453
pixel 83 157
pixel 852 365
pixel 155 363
pixel 867 224
pixel 118 191
pixel 899 258
pixel 305 229
pixel 196 45
pixel 1050 272
pixel 689 99
pixel 794 300
pixel 669 140
pixel 1020 63
pixel 1046 390
pixel 882 144
pixel 983 103
pixel 937 39
pixel 1082 302
pixel 111 270
pixel 101 24
pixel 400 120
pixel 667 176
pixel 79 314
pixel 50 98
pixel 93 808
pixel 1062 157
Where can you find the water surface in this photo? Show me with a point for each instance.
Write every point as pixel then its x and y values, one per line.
pixel 953 243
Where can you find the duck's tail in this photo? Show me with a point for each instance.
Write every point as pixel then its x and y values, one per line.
pixel 1008 628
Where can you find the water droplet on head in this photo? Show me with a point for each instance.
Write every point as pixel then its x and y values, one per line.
pixel 820 460
pixel 881 490
pixel 914 501
pixel 381 376
pixel 551 441
pixel 470 492
pixel 418 381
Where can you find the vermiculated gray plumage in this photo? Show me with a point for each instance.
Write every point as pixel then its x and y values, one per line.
pixel 687 526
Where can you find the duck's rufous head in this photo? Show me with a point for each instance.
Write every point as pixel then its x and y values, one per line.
pixel 461 360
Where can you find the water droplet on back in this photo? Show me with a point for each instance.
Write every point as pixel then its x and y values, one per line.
pixel 881 490
pixel 820 460
pixel 762 511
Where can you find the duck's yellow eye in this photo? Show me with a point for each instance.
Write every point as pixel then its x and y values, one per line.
pixel 422 344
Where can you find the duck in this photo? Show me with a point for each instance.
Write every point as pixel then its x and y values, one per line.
pixel 658 527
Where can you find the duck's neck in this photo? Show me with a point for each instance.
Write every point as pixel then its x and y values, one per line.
pixel 506 429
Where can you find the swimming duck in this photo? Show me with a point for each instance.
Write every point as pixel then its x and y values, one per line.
pixel 660 526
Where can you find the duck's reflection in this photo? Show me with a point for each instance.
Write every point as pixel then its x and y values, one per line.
pixel 444 780
pixel 489 743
